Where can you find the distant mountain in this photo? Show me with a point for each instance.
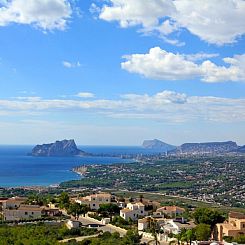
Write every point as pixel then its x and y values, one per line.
pixel 59 148
pixel 158 145
pixel 241 149
pixel 207 148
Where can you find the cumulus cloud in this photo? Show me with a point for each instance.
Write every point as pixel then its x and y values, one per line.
pixel 162 65
pixel 167 106
pixel 68 64
pixel 216 22
pixel 44 14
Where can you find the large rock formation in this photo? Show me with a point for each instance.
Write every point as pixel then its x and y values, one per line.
pixel 59 148
pixel 207 148
pixel 158 145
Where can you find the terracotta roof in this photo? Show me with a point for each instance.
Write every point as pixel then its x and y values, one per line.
pixel 139 204
pixel 236 215
pixel 101 195
pixel 170 209
pixel 126 210
pixel 30 208
pixel 145 220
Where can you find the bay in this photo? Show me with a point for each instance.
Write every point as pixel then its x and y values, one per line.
pixel 19 169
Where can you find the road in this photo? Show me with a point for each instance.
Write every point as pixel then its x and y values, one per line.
pixel 79 239
pixel 108 227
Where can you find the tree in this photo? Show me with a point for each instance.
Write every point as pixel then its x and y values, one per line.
pixel 108 209
pixel 208 216
pixel 154 229
pixel 141 198
pixel 190 235
pixel 132 237
pixel 64 200
pixel 77 209
pixel 203 232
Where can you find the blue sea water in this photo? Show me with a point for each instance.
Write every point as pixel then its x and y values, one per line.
pixel 19 169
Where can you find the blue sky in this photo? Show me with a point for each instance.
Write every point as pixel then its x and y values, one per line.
pixel 117 72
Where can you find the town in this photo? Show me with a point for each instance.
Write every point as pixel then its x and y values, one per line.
pixel 87 218
pixel 216 180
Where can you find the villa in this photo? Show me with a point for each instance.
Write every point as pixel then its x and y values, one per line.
pixel 95 200
pixel 171 211
pixel 23 212
pixel 133 211
pixel 234 227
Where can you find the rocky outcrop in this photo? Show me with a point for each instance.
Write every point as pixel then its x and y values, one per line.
pixel 158 145
pixel 207 148
pixel 59 148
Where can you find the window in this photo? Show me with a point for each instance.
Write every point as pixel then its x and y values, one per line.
pixel 93 204
pixel 26 213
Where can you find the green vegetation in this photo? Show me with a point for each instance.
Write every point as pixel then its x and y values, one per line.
pixel 40 234
pixel 121 222
pixel 203 232
pixel 76 209
pixel 214 180
pixel 108 209
pixel 208 216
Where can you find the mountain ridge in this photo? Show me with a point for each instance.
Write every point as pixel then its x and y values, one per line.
pixel 214 147
pixel 158 145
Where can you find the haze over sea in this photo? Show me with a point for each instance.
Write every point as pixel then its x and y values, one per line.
pixel 19 169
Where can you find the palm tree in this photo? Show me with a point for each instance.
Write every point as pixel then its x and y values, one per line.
pixel 189 236
pixel 154 229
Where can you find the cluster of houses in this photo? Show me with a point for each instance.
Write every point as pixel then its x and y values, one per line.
pixel 168 218
pixel 15 209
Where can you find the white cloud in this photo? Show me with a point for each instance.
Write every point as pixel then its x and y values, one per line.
pixel 85 95
pixel 200 56
pixel 68 64
pixel 216 22
pixel 43 14
pixel 165 106
pixel 28 98
pixel 162 65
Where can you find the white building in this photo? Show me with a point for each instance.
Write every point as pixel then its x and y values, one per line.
pixel 72 224
pixel 133 211
pixel 143 224
pixel 13 202
pixel 23 212
pixel 94 201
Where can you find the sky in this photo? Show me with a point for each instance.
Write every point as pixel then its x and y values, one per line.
pixel 117 72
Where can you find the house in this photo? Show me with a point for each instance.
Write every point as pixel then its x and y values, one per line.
pixel 2 200
pixel 171 211
pixel 51 212
pixel 72 224
pixel 28 212
pixel 13 202
pixel 234 227
pixel 143 224
pixel 133 211
pixel 23 212
pixel 174 227
pixel 95 200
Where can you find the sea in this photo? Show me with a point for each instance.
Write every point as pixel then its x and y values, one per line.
pixel 18 169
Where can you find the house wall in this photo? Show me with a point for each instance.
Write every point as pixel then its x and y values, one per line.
pixel 12 215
